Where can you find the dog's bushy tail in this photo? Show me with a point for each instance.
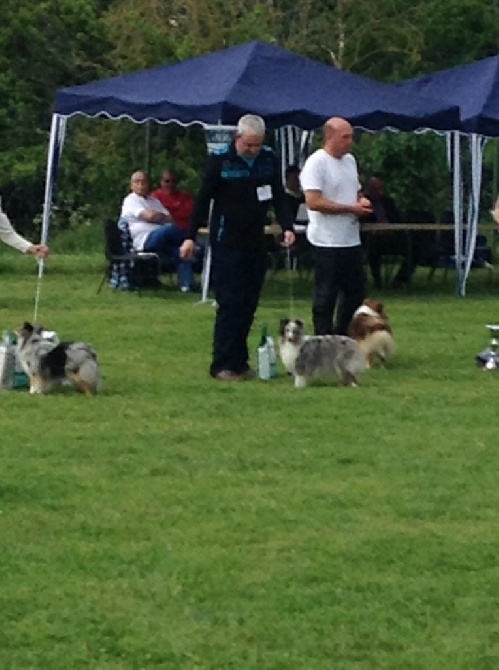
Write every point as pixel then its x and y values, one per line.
pixel 379 342
pixel 89 373
pixel 82 361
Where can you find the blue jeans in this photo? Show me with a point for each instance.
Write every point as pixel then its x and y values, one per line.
pixel 165 241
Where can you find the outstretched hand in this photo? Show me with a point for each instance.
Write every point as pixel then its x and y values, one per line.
pixel 41 251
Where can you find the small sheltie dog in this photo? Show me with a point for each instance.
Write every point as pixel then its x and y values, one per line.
pixel 308 357
pixel 48 363
pixel 370 329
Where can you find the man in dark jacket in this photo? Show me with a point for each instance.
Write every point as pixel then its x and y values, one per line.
pixel 243 182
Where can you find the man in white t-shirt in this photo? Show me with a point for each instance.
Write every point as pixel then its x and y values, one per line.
pixel 152 228
pixel 331 185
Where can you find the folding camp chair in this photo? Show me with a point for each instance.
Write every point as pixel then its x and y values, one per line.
pixel 127 269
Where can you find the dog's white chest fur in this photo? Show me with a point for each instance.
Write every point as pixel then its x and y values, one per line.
pixel 289 353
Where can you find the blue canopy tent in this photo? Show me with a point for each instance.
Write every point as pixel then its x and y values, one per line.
pixel 474 88
pixel 284 88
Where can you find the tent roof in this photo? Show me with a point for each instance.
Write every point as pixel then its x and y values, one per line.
pixel 473 87
pixel 259 78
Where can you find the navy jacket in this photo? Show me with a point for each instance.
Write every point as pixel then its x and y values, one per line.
pixel 241 208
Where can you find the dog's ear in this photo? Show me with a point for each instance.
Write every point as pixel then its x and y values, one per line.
pixel 282 325
pixel 300 323
pixel 381 311
pixel 27 327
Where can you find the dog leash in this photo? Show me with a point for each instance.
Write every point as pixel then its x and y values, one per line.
pixel 38 289
pixel 291 296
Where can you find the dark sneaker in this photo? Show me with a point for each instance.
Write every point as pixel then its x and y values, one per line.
pixel 228 376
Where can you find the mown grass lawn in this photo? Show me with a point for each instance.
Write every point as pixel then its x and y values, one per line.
pixel 177 522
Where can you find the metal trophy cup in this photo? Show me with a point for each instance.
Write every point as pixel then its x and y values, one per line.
pixel 489 358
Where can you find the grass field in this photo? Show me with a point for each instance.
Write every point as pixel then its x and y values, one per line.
pixel 177 522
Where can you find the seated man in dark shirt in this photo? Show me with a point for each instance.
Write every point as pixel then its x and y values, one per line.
pixel 294 195
pixel 385 243
pixel 296 204
pixel 178 202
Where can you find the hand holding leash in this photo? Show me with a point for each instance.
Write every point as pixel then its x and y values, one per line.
pixel 41 251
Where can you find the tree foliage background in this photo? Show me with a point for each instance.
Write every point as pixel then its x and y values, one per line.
pixel 47 45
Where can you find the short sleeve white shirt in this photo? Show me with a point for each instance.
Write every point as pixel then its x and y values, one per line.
pixel 131 209
pixel 338 180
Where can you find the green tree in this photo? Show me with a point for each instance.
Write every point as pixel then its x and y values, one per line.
pixel 43 46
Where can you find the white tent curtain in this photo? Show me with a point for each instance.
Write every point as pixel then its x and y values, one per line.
pixel 293 145
pixel 476 147
pixel 454 158
pixel 465 198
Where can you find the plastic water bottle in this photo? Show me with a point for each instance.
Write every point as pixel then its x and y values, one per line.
pixel 19 377
pixel 7 363
pixel 266 356
pixel 263 357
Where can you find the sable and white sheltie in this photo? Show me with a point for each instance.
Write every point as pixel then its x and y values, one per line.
pixel 306 357
pixel 47 363
pixel 370 329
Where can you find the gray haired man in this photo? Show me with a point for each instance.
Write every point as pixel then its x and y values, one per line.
pixel 243 181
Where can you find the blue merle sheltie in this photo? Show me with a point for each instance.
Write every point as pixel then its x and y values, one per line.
pixel 318 356
pixel 48 363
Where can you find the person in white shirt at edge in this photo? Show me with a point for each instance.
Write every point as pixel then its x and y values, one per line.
pixel 152 228
pixel 331 185
pixel 9 236
pixel 495 213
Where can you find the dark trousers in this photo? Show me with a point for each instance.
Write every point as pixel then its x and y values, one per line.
pixel 238 276
pixel 339 278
